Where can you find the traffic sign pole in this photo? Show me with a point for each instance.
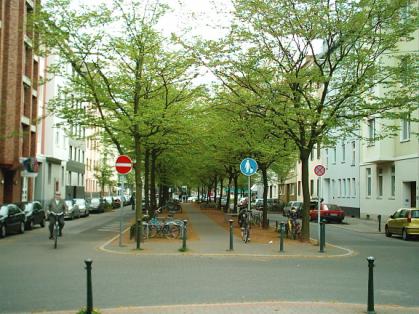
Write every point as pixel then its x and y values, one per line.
pixel 319 170
pixel 122 180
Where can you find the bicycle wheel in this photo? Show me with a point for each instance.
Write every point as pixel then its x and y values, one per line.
pixel 171 231
pixel 246 234
pixel 152 231
pixel 56 230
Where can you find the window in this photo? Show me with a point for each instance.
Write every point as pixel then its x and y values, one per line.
pixel 353 153
pixel 371 131
pixel 348 183
pixel 82 156
pixel 69 178
pixel 57 138
pixel 62 175
pixel 334 155
pixel 327 157
pixel 344 187
pixel 311 187
pixel 318 151
pixel 340 187
pixel 369 182
pixel 292 189
pixel 393 181
pixel 299 188
pixel 405 129
pixel 333 187
pixel 343 152
pixel 70 155
pixel 312 154
pixel 353 187
pixel 49 173
pixel 380 182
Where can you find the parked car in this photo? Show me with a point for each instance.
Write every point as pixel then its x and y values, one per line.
pixel 117 201
pixel 12 219
pixel 404 222
pixel 72 210
pixel 109 201
pixel 332 213
pixel 257 204
pixel 35 214
pixel 293 205
pixel 192 199
pixel 82 205
pixel 97 205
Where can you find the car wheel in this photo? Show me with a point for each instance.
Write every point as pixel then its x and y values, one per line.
pixel 388 233
pixel 22 227
pixel 42 223
pixel 405 236
pixel 72 216
pixel 31 224
pixel 2 231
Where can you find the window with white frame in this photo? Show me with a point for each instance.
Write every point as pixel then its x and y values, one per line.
pixel 334 155
pixel 380 181
pixel 340 187
pixel 344 187
pixel 353 187
pixel 393 181
pixel 371 130
pixel 348 183
pixel 405 129
pixel 343 152
pixel 333 187
pixel 353 153
pixel 369 182
pixel 327 157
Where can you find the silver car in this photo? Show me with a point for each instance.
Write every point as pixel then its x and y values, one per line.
pixel 72 210
pixel 82 205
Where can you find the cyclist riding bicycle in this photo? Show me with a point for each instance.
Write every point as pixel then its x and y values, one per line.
pixel 56 209
pixel 293 226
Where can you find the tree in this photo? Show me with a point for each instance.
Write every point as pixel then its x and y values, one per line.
pixel 122 79
pixel 306 93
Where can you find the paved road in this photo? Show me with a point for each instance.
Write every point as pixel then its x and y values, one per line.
pixel 35 277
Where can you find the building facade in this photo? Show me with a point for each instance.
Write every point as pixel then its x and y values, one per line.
pixel 18 100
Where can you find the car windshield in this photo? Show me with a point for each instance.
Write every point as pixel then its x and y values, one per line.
pixel 28 207
pixel 415 213
pixel 3 211
pixel 79 201
pixel 95 201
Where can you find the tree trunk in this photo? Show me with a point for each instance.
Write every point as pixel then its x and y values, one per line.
pixel 230 179
pixel 221 193
pixel 265 196
pixel 138 188
pixel 153 200
pixel 215 189
pixel 304 156
pixel 147 179
pixel 236 194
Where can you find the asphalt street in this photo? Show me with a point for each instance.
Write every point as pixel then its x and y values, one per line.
pixel 35 277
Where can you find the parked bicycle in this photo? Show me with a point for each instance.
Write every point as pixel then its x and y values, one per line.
pixel 161 228
pixel 293 226
pixel 244 223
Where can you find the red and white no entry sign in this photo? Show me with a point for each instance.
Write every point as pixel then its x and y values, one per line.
pixel 319 170
pixel 123 164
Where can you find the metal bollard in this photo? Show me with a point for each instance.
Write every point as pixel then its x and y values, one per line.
pixel 231 234
pixel 276 225
pixel 138 234
pixel 370 308
pixel 379 223
pixel 184 235
pixel 281 240
pixel 89 307
pixel 322 236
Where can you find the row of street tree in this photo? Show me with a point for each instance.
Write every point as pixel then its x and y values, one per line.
pixel 290 75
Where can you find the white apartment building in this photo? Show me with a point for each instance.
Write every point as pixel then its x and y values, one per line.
pixel 389 168
pixel 273 186
pixel 60 157
pixel 340 183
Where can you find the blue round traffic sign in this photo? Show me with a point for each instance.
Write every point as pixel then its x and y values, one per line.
pixel 248 166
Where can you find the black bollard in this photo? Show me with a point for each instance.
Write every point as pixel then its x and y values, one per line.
pixel 89 307
pixel 379 223
pixel 322 236
pixel 138 234
pixel 276 225
pixel 231 234
pixel 370 308
pixel 281 240
pixel 184 235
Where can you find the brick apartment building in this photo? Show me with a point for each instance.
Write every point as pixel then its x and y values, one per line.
pixel 18 100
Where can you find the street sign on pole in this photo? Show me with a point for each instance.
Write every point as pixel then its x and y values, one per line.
pixel 248 166
pixel 319 170
pixel 123 164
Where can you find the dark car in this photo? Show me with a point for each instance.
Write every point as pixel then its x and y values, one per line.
pixel 97 205
pixel 82 205
pixel 117 200
pixel 12 219
pixel 35 214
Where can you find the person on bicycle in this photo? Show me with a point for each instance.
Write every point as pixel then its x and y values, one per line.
pixel 56 210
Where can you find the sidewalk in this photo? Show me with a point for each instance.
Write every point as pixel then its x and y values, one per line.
pixel 212 239
pixel 256 308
